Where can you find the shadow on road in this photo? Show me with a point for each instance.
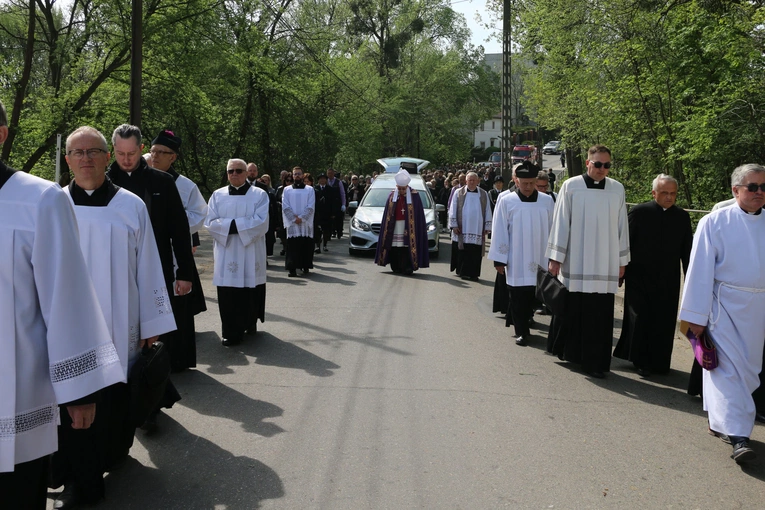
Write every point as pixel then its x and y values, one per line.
pixel 210 397
pixel 334 336
pixel 191 472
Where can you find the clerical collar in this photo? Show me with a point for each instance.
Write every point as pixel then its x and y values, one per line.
pixel 755 213
pixel 472 190
pixel 99 197
pixel 298 185
pixel 5 173
pixel 532 198
pixel 172 172
pixel 592 183
pixel 241 190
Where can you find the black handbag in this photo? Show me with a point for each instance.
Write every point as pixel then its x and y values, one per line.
pixel 147 380
pixel 551 291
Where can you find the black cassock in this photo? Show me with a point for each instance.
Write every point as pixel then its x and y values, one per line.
pixel 660 241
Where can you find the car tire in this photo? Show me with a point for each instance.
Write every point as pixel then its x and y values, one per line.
pixel 434 254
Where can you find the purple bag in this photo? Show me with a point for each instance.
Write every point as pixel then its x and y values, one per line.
pixel 704 350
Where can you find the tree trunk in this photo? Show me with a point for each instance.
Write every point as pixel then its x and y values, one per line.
pixel 21 86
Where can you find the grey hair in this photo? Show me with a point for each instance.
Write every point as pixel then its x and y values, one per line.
pixel 473 174
pixel 3 116
pixel 663 177
pixel 127 131
pixel 87 130
pixel 237 162
pixel 737 178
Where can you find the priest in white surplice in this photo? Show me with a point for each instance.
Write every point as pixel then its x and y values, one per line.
pixel 118 243
pixel 237 218
pixel 520 228
pixel 298 209
pixel 470 222
pixel 55 349
pixel 724 294
pixel 589 247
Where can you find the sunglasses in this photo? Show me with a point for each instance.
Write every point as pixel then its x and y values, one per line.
pixel 598 164
pixel 232 171
pixel 752 187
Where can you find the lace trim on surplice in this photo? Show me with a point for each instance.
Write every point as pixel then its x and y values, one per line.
pixel 83 363
pixel 10 426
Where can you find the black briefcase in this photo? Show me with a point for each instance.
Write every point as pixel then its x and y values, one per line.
pixel 551 291
pixel 147 380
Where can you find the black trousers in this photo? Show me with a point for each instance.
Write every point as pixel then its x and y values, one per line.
pixel 467 261
pixel 240 308
pixel 299 253
pixel 337 224
pixel 323 232
pixel 25 488
pixel 522 308
pixel 181 343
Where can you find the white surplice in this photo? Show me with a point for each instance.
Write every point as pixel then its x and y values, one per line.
pixel 590 236
pixel 123 261
pixel 474 221
pixel 297 202
pixel 55 345
pixel 193 203
pixel 725 291
pixel 519 236
pixel 240 259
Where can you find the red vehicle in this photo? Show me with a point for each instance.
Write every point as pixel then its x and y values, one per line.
pixel 523 153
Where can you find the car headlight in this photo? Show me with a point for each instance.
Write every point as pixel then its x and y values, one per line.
pixel 360 225
pixel 431 226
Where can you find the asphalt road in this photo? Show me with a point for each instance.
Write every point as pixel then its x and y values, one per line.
pixel 367 390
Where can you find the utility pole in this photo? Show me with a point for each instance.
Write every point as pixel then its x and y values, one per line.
pixel 507 117
pixel 136 63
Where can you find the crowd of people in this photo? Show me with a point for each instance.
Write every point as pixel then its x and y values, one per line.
pixel 124 232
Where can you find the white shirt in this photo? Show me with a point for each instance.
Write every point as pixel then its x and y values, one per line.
pixel 297 202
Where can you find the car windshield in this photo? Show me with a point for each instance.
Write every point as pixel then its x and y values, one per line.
pixel 495 158
pixel 376 198
pixel 523 153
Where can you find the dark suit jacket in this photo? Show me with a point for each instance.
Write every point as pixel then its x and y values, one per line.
pixel 168 218
pixel 327 203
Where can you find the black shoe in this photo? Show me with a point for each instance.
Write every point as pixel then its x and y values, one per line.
pixel 643 372
pixel 408 272
pixel 228 342
pixel 306 271
pixel 760 417
pixel 150 425
pixel 723 437
pixel 292 274
pixel 252 329
pixel 520 341
pixel 325 248
pixel 317 250
pixel 742 452
pixel 281 253
pixel 67 499
pixel 596 374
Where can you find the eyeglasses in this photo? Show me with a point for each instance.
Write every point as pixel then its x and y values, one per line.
pixel 752 187
pixel 155 152
pixel 80 153
pixel 598 164
pixel 232 171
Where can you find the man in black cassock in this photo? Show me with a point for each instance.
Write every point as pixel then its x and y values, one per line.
pixel 661 238
pixel 327 210
pixel 169 222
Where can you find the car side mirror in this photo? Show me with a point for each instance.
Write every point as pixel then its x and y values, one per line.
pixel 440 208
pixel 353 205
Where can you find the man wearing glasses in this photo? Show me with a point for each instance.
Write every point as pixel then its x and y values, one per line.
pixel 123 262
pixel 724 295
pixel 237 219
pixel 168 219
pixel 589 248
pixel 165 149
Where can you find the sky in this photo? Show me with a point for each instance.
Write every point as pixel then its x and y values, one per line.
pixel 469 8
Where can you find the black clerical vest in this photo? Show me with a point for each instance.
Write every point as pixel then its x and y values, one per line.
pixel 5 173
pixel 99 198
